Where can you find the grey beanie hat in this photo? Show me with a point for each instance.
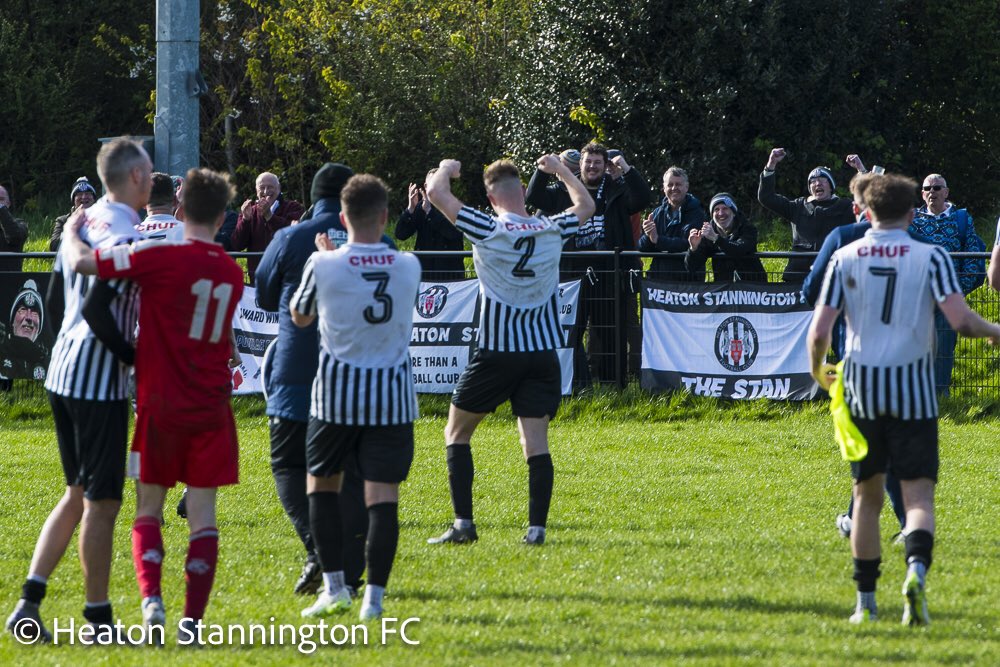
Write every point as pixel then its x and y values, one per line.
pixel 82 185
pixel 823 172
pixel 722 198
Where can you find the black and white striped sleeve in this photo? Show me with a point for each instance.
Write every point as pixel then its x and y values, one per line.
pixel 832 292
pixel 304 299
pixel 568 224
pixel 944 280
pixel 476 225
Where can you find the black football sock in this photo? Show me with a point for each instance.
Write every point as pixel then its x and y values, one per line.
pixel 919 547
pixel 540 475
pixel 354 527
pixel 460 473
pixel 324 524
pixel 383 535
pixel 866 572
pixel 98 614
pixel 33 591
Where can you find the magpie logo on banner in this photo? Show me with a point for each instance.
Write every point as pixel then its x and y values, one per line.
pixel 431 301
pixel 736 344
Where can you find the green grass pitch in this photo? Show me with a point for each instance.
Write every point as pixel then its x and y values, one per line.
pixel 681 531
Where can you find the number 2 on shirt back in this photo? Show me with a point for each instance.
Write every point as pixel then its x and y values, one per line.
pixel 528 243
pixel 204 290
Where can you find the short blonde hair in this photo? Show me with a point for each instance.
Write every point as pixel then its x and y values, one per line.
pixel 117 158
pixel 500 174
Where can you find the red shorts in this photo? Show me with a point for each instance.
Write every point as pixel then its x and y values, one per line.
pixel 202 458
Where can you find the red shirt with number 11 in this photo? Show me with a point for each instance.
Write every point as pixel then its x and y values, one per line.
pixel 188 293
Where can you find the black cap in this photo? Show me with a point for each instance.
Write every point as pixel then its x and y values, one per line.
pixel 329 181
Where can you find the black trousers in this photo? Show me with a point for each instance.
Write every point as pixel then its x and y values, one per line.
pixel 288 465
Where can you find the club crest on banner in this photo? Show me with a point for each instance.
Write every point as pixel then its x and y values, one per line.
pixel 431 301
pixel 736 343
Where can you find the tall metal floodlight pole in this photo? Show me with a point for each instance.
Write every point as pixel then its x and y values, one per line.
pixel 179 84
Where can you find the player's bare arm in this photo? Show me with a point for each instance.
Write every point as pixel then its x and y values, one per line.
pixel 583 204
pixel 299 319
pixel 994 272
pixel 80 256
pixel 439 189
pixel 966 321
pixel 818 342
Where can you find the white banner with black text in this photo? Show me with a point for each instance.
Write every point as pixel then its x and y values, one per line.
pixel 737 340
pixel 445 325
pixel 254 329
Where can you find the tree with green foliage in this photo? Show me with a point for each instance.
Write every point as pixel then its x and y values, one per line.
pixel 68 77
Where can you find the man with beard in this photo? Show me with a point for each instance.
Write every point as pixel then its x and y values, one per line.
pixel 619 191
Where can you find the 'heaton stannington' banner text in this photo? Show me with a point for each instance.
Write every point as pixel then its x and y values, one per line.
pixel 730 340
pixel 445 326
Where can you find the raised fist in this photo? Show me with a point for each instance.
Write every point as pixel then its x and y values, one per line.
pixel 776 156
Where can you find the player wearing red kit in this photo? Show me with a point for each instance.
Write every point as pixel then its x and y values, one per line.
pixel 184 422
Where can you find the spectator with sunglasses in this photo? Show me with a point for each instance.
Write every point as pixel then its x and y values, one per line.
pixel 950 227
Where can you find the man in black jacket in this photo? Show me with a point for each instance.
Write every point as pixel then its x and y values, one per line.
pixel 730 240
pixel 812 218
pixel 434 232
pixel 619 191
pixel 13 233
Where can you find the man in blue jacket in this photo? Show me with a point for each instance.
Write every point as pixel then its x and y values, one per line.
pixel 667 228
pixel 950 227
pixel 288 376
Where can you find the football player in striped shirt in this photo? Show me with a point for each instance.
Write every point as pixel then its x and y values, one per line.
pixel 87 384
pixel 517 260
pixel 184 420
pixel 363 398
pixel 888 285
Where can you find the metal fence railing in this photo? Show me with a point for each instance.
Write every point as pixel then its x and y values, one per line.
pixel 607 347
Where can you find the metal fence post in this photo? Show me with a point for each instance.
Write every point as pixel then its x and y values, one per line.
pixel 619 323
